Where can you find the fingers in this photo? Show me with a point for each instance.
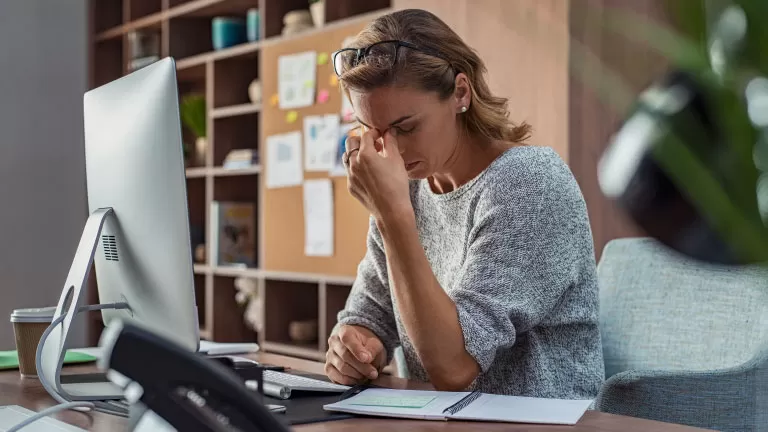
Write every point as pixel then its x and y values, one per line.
pixel 352 341
pixel 368 141
pixel 345 355
pixel 341 366
pixel 337 377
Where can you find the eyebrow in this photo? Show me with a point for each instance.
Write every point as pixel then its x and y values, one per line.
pixel 400 120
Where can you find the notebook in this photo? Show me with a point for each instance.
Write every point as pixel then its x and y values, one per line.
pixel 433 405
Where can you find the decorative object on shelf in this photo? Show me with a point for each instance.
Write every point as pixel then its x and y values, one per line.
pixel 317 10
pixel 254 91
pixel 274 100
pixel 200 253
pixel 253 23
pixel 248 297
pixel 241 158
pixel 193 116
pixel 233 234
pixel 227 32
pixel 144 48
pixel 303 332
pixel 297 21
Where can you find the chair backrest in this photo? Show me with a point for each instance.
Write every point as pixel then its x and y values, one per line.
pixel 660 310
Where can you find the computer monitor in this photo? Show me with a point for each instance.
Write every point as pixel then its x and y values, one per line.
pixel 138 232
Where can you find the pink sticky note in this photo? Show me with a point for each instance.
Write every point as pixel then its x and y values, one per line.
pixel 322 96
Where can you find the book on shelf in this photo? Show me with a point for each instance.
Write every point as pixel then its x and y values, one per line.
pixel 233 234
pixel 241 159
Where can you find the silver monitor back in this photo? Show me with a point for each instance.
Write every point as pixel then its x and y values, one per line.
pixel 135 165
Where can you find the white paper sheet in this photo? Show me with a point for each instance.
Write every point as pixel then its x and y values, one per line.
pixel 296 79
pixel 321 135
pixel 338 169
pixel 524 410
pixel 318 217
pixel 284 160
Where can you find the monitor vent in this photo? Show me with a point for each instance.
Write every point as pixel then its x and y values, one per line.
pixel 110 247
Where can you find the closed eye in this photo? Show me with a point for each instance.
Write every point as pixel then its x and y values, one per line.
pixel 403 131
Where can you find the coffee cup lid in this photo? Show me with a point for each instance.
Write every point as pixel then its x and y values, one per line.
pixel 33 315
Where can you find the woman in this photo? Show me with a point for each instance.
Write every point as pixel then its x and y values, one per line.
pixel 480 261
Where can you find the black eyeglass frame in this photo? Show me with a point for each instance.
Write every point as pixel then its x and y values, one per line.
pixel 362 53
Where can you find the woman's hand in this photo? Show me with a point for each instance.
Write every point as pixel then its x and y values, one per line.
pixel 377 175
pixel 354 355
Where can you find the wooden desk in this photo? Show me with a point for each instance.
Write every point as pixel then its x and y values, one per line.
pixel 30 394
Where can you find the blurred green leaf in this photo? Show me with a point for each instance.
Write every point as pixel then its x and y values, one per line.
pixel 193 110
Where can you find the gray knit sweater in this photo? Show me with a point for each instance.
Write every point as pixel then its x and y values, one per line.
pixel 513 249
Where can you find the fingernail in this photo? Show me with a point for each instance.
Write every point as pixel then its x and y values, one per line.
pixel 374 375
pixel 366 357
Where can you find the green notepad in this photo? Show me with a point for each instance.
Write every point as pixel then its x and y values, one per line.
pixel 394 401
pixel 10 359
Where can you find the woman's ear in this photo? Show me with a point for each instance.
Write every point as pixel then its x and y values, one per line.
pixel 462 93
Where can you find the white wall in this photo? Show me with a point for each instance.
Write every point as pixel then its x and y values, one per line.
pixel 43 74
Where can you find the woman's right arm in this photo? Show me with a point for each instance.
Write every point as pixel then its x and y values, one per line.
pixel 367 323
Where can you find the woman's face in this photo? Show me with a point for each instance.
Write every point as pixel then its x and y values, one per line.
pixel 425 127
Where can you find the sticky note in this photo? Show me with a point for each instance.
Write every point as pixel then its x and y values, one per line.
pixel 291 116
pixel 274 100
pixel 322 58
pixel 334 80
pixel 322 96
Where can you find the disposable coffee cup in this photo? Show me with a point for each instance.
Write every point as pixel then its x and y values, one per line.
pixel 28 326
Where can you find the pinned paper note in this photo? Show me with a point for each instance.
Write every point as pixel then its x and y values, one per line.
pixel 296 78
pixel 318 217
pixel 333 80
pixel 322 96
pixel 284 160
pixel 291 116
pixel 321 135
pixel 338 169
pixel 322 58
pixel 274 100
pixel 347 112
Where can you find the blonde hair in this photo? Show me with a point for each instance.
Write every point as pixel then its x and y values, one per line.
pixel 488 115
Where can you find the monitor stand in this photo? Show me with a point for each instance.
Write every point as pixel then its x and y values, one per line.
pixel 85 386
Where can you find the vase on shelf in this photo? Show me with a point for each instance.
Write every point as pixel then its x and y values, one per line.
pixel 201 147
pixel 317 9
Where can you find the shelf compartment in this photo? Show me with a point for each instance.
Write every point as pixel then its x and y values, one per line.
pixel 142 8
pixel 231 133
pixel 285 302
pixel 227 172
pixel 197 211
pixel 239 189
pixel 231 77
pixel 335 299
pixel 229 324
pixel 200 300
pixel 107 14
pixel 108 62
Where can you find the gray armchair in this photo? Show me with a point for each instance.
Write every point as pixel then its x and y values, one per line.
pixel 683 342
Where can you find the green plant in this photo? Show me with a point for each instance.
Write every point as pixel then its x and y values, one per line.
pixel 721 45
pixel 193 109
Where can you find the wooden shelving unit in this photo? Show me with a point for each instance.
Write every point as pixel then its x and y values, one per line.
pixel 234 122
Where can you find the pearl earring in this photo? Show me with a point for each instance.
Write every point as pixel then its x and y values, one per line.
pixel 463 109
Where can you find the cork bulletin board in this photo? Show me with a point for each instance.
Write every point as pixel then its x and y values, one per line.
pixel 283 215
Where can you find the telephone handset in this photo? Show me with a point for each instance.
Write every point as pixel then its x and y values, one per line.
pixel 187 390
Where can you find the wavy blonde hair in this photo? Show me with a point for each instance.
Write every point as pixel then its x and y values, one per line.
pixel 488 115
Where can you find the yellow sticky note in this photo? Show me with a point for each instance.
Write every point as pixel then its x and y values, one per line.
pixel 274 100
pixel 322 58
pixel 334 80
pixel 291 116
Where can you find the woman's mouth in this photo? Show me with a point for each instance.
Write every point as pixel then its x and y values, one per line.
pixel 409 166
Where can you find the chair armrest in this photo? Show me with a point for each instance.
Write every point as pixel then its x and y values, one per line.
pixel 726 399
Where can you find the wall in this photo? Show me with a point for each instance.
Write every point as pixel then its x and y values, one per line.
pixel 42 173
pixel 524 44
pixel 593 122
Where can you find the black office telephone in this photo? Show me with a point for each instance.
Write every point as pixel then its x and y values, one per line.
pixel 189 391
